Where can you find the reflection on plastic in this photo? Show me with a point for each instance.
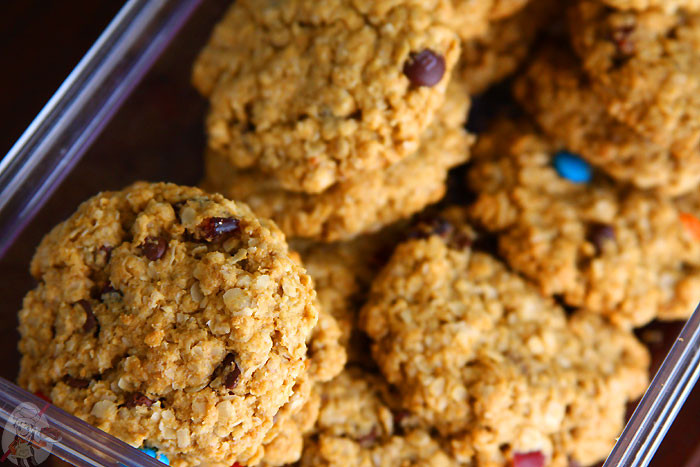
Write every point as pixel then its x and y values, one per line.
pixel 82 106
pixel 663 400
pixel 42 427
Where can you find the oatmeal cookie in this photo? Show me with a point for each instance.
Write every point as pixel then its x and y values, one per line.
pixel 170 318
pixel 666 5
pixel 559 95
pixel 645 66
pixel 496 54
pixel 342 273
pixel 313 94
pixel 283 443
pixel 500 370
pixel 611 249
pixel 356 427
pixel 364 203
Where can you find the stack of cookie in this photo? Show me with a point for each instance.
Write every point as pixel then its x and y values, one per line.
pixel 468 363
pixel 336 118
pixel 499 332
pixel 626 97
pixel 600 208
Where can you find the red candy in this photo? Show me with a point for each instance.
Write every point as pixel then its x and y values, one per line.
pixel 528 459
pixel 691 223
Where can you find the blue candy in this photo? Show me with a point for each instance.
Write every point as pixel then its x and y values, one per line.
pixel 153 453
pixel 572 167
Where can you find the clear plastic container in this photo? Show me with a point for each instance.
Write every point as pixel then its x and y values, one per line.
pixel 157 134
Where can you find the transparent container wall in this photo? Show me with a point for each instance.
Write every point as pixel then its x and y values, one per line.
pixel 158 135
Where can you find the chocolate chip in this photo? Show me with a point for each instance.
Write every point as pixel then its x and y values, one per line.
pixel 368 439
pixel 218 228
pixel 90 319
pixel 425 68
pixel 154 248
pixel 598 234
pixel 136 399
pixel 231 379
pixel 76 382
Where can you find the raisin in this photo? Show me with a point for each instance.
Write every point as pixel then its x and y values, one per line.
pixel 218 228
pixel 136 399
pixel 154 248
pixel 368 439
pixel 425 68
pixel 76 382
pixel 598 234
pixel 231 379
pixel 90 319
pixel 432 226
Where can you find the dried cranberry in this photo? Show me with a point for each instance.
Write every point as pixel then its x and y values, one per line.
pixel 218 228
pixel 528 459
pixel 76 382
pixel 154 248
pixel 90 319
pixel 425 68
pixel 136 399
pixel 599 234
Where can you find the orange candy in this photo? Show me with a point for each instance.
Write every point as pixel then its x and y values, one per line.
pixel 691 223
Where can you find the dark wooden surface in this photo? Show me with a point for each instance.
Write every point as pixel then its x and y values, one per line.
pixel 156 136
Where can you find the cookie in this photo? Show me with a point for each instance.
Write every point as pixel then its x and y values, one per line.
pixel 364 203
pixel 283 443
pixel 559 95
pixel 501 50
pixel 342 273
pixel 313 94
pixel 498 369
pixel 645 66
pixel 356 427
pixel 666 5
pixel 611 249
pixel 170 318
pixel 472 19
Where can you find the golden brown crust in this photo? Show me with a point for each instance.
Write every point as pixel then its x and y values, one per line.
pixel 478 353
pixel 645 265
pixel 362 204
pixel 190 345
pixel 314 95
